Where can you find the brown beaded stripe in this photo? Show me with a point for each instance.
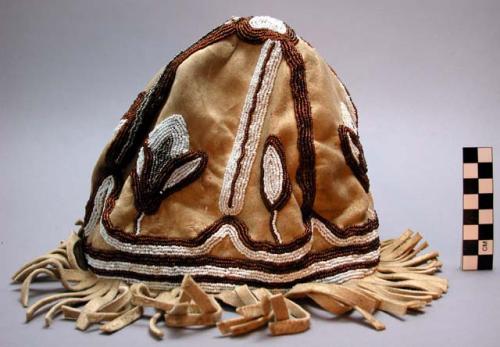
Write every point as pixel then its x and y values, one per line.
pixel 356 163
pixel 249 34
pixel 148 195
pixel 306 175
pixel 286 188
pixel 124 132
pixel 266 266
pixel 235 280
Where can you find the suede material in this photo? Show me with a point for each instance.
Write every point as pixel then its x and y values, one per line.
pixel 209 91
pixel 95 238
pixel 340 198
pixel 212 120
pixel 279 121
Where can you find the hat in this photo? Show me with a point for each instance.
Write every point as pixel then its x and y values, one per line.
pixel 238 177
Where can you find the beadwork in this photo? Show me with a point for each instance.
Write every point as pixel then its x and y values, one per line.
pixel 266 22
pixel 168 140
pixel 164 164
pixel 354 155
pixel 99 199
pixel 247 138
pixel 208 232
pixel 216 285
pixel 334 267
pixel 347 118
pixel 275 182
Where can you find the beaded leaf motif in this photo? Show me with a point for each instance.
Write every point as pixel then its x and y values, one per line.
pixel 275 181
pixel 165 164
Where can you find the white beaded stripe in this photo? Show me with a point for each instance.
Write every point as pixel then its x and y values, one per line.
pixel 138 225
pixel 182 172
pixel 234 272
pixel 273 174
pixel 254 134
pixel 346 117
pixel 274 227
pixel 211 287
pixel 140 162
pixel 266 22
pixel 102 193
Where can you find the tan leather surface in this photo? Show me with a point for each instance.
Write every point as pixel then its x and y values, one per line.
pixel 340 198
pixel 209 91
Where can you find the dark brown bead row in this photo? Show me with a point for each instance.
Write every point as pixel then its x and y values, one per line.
pixel 357 164
pixel 306 175
pixel 231 280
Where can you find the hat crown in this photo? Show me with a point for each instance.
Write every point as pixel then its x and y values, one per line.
pixel 243 152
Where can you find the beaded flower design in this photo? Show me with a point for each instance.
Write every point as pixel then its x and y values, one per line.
pixel 165 164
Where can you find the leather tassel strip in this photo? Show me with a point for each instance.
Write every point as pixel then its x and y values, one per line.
pixel 259 308
pixel 403 281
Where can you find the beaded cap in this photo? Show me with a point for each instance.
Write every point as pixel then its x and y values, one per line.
pixel 237 171
pixel 250 171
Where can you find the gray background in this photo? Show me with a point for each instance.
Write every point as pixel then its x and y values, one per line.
pixel 425 78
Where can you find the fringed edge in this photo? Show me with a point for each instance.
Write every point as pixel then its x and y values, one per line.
pixel 403 281
pixel 89 300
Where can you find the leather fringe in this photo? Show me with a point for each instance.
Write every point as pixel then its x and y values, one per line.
pixel 404 281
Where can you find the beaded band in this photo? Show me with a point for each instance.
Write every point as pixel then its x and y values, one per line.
pixel 333 266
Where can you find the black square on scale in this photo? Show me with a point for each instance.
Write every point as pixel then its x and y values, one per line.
pixel 470 247
pixel 471 217
pixel 485 262
pixel 485 201
pixel 471 186
pixel 485 170
pixel 470 154
pixel 485 232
